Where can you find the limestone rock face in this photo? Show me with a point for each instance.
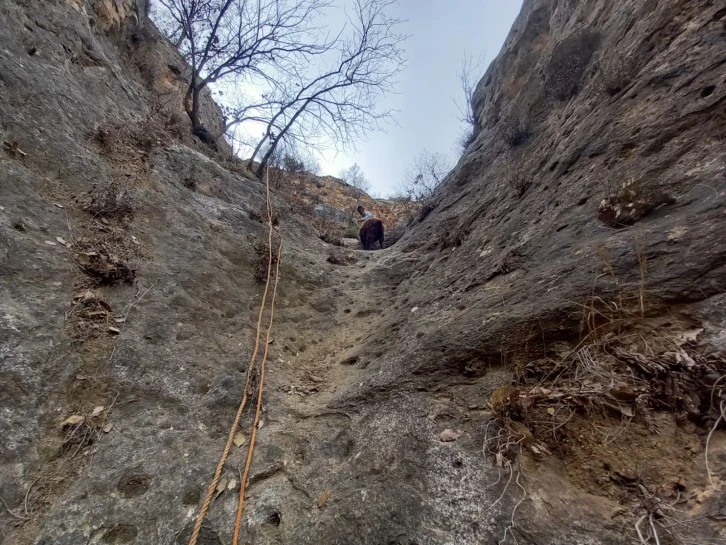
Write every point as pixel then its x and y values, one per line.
pixel 559 313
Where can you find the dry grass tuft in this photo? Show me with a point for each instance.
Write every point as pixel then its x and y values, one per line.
pixel 262 250
pixel 90 317
pixel 111 202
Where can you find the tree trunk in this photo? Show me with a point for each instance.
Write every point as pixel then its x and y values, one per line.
pixel 191 105
pixel 283 132
pixel 250 163
pixel 261 169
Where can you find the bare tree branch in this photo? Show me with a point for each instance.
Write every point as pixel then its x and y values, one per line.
pixel 245 39
pixel 340 102
pixel 470 72
pixel 424 175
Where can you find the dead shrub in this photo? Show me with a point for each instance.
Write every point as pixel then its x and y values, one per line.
pixel 90 317
pixel 80 431
pixel 262 250
pixel 468 137
pixel 514 130
pixel 568 63
pixel 425 210
pixel 612 372
pixel 615 75
pixel 518 180
pixel 632 202
pixel 111 201
pixel 104 268
pixel 127 139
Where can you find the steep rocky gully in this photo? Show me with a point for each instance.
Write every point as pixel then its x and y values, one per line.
pixel 536 361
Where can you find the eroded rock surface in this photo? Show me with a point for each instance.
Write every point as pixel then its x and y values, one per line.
pixel 375 354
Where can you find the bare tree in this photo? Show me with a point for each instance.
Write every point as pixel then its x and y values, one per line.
pixel 339 102
pixel 470 72
pixel 239 39
pixel 424 175
pixel 354 177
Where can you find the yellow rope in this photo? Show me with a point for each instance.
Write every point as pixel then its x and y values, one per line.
pixel 250 369
pixel 253 436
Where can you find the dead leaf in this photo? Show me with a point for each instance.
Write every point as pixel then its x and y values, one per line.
pixel 551 411
pixel 73 420
pixel 221 487
pixel 12 147
pixel 134 239
pixel 239 439
pixel 105 306
pixel 87 295
pixel 522 432
pixel 84 259
pixel 448 435
pixel 626 410
pixel 232 484
pixel 114 330
pixel 50 243
pixel 323 498
pixel 683 357
pixel 62 241
pixel 540 449
pixel 500 459
pixel 315 378
pixel 689 336
pixel 58 205
pixel 119 320
pixel 97 410
pixel 107 428
pixel 502 396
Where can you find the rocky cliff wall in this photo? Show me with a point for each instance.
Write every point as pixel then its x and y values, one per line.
pixel 526 363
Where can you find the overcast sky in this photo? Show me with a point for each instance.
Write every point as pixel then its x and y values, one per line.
pixel 440 32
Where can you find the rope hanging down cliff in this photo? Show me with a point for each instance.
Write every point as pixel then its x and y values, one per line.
pixel 251 368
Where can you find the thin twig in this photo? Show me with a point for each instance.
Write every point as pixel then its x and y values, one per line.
pixel 12 513
pixel 713 389
pixel 25 501
pixel 134 303
pixel 70 231
pixel 708 439
pixel 652 526
pixel 510 528
pixel 637 529
pixel 558 426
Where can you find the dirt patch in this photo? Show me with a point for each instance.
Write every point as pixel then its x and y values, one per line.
pixel 627 408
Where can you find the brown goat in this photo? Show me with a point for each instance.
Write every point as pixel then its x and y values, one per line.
pixel 371 232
